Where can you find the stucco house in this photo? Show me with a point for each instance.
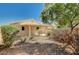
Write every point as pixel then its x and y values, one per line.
pixel 31 28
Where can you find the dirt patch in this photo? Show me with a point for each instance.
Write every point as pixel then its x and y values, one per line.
pixel 33 49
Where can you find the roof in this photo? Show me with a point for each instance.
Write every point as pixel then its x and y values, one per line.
pixel 28 23
pixel 31 22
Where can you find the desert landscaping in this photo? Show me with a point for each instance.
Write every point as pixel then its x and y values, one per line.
pixel 40 45
pixel 56 34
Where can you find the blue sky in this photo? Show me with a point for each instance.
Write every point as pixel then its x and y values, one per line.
pixel 15 12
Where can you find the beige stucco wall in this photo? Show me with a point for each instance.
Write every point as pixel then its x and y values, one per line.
pixel 29 30
pixel 32 30
pixel 1 39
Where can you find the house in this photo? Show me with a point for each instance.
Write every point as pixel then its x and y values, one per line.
pixel 31 28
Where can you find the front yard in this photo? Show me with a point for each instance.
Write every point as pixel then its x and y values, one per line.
pixel 36 46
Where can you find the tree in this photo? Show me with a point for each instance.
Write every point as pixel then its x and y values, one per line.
pixel 65 15
pixel 8 34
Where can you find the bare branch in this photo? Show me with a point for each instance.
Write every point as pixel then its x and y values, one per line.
pixel 75 25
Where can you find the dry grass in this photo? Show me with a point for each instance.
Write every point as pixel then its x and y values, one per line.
pixel 64 36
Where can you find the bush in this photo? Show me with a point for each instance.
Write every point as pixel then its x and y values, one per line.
pixel 8 33
pixel 64 36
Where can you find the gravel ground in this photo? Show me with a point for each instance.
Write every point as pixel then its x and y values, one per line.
pixel 33 49
pixel 36 46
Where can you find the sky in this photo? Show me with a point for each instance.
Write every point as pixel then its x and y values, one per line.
pixel 15 12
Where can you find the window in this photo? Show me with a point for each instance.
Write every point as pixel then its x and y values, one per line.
pixel 37 27
pixel 22 28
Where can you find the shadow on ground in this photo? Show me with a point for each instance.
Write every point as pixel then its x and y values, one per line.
pixel 33 49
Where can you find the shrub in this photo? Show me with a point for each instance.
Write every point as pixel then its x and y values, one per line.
pixel 64 36
pixel 8 33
